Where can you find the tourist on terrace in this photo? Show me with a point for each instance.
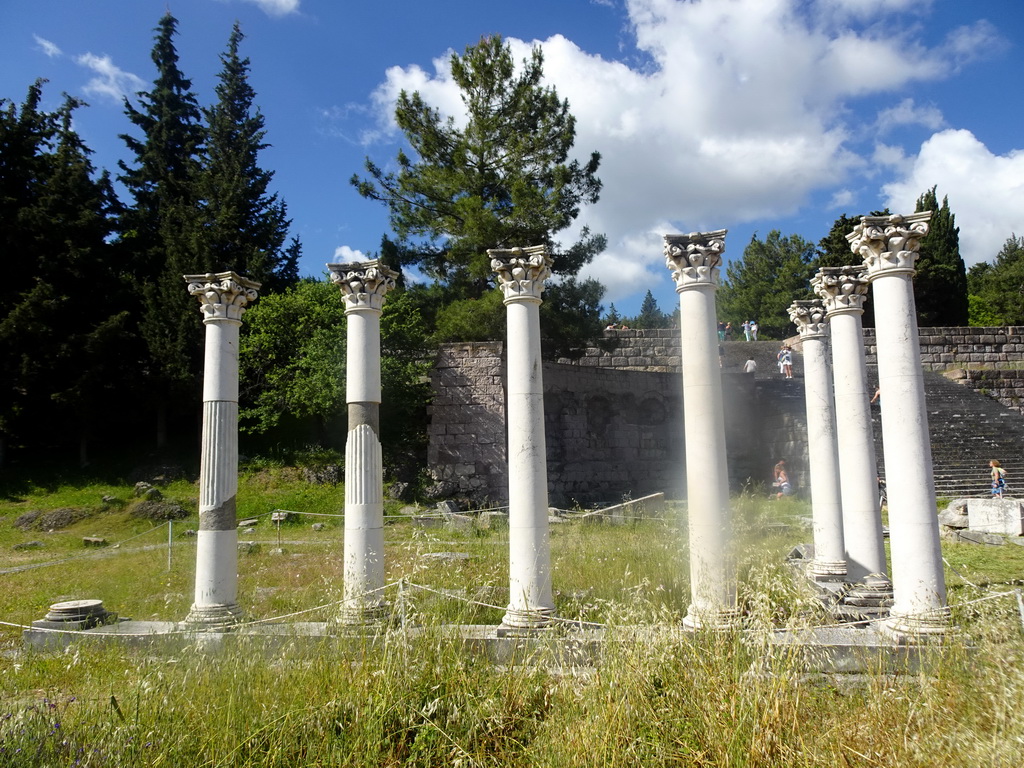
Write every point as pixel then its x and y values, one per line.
pixel 998 479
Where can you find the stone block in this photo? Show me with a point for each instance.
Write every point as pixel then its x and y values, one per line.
pixel 977 537
pixel 1005 516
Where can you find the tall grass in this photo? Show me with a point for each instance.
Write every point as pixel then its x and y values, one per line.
pixel 656 697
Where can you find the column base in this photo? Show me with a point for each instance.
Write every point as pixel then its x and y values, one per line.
pixel 213 618
pixel 827 570
pixel 364 615
pixel 526 619
pixel 873 591
pixel 931 628
pixel 719 619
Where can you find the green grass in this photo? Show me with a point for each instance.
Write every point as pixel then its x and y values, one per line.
pixel 664 701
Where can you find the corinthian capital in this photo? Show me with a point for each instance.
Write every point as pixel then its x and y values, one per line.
pixel 809 319
pixel 694 259
pixel 222 295
pixel 521 271
pixel 364 284
pixel 842 289
pixel 889 244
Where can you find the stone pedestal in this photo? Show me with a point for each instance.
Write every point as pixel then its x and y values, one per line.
pixel 364 286
pixel 889 247
pixel 694 261
pixel 843 290
pixel 829 561
pixel 1002 516
pixel 521 274
pixel 223 298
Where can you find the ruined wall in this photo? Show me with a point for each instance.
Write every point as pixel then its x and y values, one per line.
pixel 609 433
pixel 466 449
pixel 614 418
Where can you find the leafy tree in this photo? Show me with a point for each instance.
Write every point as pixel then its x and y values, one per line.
pixel 159 230
pixel 996 289
pixel 762 285
pixel 245 226
pixel 292 374
pixel 502 180
pixel 940 286
pixel 292 358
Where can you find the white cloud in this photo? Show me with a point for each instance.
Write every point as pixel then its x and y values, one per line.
pixel 276 7
pixel 986 191
pixel 110 81
pixel 344 254
pixel 741 112
pixel 841 198
pixel 50 49
pixel 909 113
pixel 975 41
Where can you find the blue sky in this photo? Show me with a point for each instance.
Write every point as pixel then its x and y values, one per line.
pixel 749 115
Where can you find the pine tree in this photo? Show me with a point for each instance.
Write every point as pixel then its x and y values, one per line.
pixel 940 286
pixel 762 285
pixel 502 180
pixel 245 226
pixel 160 230
pixel 650 316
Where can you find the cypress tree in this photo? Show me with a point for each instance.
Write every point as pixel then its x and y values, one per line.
pixel 940 286
pixel 245 225
pixel 159 231
pixel 65 343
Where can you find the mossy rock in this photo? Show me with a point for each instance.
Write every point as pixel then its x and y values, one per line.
pixel 53 520
pixel 159 510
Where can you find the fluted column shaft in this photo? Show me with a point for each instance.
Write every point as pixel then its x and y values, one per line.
pixel 521 273
pixel 364 287
pixel 223 297
pixel 889 246
pixel 694 260
pixel 843 291
pixel 826 502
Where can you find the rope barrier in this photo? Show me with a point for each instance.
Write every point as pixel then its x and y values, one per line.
pixel 105 552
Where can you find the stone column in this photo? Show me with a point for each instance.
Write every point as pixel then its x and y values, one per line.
pixel 843 291
pixel 364 286
pixel 223 298
pixel 694 260
pixel 889 245
pixel 521 274
pixel 829 561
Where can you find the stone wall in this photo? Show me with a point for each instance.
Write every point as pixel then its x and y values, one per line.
pixel 947 348
pixel 466 449
pixel 614 417
pixel 657 349
pixel 610 433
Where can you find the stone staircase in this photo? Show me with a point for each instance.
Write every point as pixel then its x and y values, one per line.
pixel 968 429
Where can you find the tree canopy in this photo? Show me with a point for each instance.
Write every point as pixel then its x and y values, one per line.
pixel 761 286
pixel 940 285
pixel 501 179
pixel 996 288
